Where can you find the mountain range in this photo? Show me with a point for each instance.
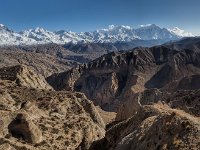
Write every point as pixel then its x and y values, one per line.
pixel 112 34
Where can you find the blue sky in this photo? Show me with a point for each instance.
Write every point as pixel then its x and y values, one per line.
pixel 87 15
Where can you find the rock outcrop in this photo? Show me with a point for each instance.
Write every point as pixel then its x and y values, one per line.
pixel 24 77
pixel 153 127
pixel 133 104
pixel 23 127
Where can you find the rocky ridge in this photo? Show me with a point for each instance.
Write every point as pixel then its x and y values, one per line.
pixel 120 76
pixel 153 127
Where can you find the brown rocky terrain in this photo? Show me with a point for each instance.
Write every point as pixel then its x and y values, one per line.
pixel 58 52
pixel 116 79
pixel 146 98
pixel 97 49
pixel 187 100
pixel 108 117
pixel 43 64
pixel 185 43
pixel 24 77
pixel 40 118
pixel 154 127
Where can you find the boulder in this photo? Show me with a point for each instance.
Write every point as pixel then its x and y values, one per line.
pixel 23 127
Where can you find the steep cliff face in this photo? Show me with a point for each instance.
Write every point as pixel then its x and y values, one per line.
pixel 34 117
pixel 153 127
pixel 119 76
pixel 133 104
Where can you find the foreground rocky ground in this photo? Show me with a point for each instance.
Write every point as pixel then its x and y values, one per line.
pixel 154 127
pixel 40 118
pixel 34 116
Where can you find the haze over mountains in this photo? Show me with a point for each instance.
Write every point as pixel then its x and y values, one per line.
pixel 112 34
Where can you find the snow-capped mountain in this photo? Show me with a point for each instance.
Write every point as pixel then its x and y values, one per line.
pixel 40 35
pixel 151 31
pixel 111 34
pixel 9 37
pixel 179 32
pixel 114 34
pixel 43 36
